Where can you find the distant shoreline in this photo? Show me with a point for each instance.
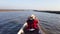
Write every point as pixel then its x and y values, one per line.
pixel 2 10
pixel 10 10
pixel 13 10
pixel 56 12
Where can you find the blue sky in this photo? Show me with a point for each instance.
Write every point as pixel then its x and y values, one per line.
pixel 30 4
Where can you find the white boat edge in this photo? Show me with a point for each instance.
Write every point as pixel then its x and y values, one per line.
pixel 21 30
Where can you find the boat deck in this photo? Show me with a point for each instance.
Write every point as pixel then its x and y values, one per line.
pixel 21 30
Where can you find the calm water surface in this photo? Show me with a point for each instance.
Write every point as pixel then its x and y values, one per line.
pixel 11 22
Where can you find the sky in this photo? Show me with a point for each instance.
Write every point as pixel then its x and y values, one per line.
pixel 30 4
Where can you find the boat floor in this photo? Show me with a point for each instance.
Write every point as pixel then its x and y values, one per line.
pixel 31 32
pixel 21 31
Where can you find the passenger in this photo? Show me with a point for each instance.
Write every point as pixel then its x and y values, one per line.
pixel 32 22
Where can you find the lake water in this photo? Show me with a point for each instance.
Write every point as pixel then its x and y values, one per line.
pixel 11 22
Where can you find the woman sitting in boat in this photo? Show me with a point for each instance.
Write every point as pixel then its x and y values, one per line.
pixel 32 23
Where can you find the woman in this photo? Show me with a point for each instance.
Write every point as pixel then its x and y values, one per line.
pixel 32 23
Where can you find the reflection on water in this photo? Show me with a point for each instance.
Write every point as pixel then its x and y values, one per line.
pixel 11 22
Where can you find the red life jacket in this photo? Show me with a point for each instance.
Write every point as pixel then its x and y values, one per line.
pixel 33 24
